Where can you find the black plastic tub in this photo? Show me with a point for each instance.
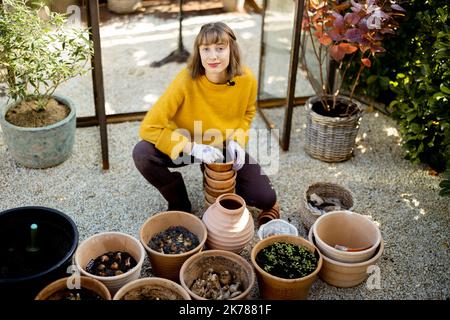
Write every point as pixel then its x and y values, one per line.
pixel 24 271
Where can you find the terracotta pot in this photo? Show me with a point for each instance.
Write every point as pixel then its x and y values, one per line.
pixel 219 175
pixel 221 185
pixel 220 167
pixel 345 275
pixel 276 288
pixel 168 265
pixel 209 198
pixel 155 289
pixel 85 282
pixel 104 242
pixel 229 223
pixel 217 192
pixel 348 229
pixel 219 261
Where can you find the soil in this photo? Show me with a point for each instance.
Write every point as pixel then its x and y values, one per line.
pixel 152 293
pixel 230 204
pixel 25 114
pixel 340 109
pixel 174 240
pixel 75 294
pixel 16 262
pixel 111 264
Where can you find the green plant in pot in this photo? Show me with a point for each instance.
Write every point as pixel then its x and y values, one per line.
pixel 38 52
pixel 343 31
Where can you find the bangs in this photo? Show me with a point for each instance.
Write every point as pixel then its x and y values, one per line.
pixel 213 36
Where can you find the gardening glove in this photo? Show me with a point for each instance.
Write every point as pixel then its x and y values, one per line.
pixel 237 154
pixel 205 153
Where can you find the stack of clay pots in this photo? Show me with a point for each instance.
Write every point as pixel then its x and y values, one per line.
pixel 218 179
pixel 350 244
pixel 266 216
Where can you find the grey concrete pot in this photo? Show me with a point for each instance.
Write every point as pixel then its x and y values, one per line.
pixel 40 147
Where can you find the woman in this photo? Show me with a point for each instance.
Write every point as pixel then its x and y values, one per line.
pixel 209 106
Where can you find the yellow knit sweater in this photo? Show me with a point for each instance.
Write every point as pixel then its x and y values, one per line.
pixel 216 111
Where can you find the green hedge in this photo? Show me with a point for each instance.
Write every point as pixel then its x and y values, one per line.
pixel 413 78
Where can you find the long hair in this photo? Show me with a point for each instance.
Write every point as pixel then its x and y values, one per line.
pixel 212 33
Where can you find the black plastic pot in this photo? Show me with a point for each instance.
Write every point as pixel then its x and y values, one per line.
pixel 24 272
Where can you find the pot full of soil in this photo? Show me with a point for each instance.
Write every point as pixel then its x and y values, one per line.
pixel 39 139
pixel 66 289
pixel 286 267
pixel 330 135
pixel 170 238
pixel 217 275
pixel 36 248
pixel 114 258
pixel 152 289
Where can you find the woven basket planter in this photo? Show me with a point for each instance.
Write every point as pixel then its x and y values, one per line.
pixel 124 6
pixel 331 139
pixel 324 190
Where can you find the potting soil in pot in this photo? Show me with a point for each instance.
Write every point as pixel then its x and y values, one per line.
pixel 75 294
pixel 152 293
pixel 111 264
pixel 174 240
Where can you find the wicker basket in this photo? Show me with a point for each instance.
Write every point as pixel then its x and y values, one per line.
pixel 323 189
pixel 330 139
pixel 124 6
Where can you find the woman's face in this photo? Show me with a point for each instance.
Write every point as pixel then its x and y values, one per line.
pixel 215 59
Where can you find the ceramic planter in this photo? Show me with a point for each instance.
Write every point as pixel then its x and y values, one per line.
pixel 331 139
pixel 152 289
pixel 276 288
pixel 168 265
pixel 347 229
pixel 41 147
pixel 24 270
pixel 219 261
pixel 229 223
pixel 104 242
pixel 345 275
pixel 85 282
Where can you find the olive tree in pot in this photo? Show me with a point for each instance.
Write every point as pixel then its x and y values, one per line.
pixel 37 54
pixel 347 32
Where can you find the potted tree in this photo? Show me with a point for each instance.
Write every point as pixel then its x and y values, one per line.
pixel 38 53
pixel 345 31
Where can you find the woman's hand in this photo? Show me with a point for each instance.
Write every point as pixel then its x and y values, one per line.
pixel 237 154
pixel 205 153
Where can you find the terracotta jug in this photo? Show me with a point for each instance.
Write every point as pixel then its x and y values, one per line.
pixel 229 223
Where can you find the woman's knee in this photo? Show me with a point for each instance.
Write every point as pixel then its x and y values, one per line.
pixel 267 199
pixel 141 154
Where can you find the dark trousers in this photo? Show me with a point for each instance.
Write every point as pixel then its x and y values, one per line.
pixel 251 183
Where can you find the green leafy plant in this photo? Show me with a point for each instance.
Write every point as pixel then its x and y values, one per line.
pixel 347 31
pixel 38 52
pixel 286 260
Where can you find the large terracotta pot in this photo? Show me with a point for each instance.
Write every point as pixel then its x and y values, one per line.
pixel 276 288
pixel 85 282
pixel 104 242
pixel 218 260
pixel 229 223
pixel 168 265
pixel 345 275
pixel 152 289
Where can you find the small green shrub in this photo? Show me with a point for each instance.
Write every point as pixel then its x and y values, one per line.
pixel 286 260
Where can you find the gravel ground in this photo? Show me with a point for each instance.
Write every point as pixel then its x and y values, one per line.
pixel 401 197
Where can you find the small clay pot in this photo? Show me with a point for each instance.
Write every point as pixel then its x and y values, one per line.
pixel 217 192
pixel 221 185
pixel 220 167
pixel 219 175
pixel 209 198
